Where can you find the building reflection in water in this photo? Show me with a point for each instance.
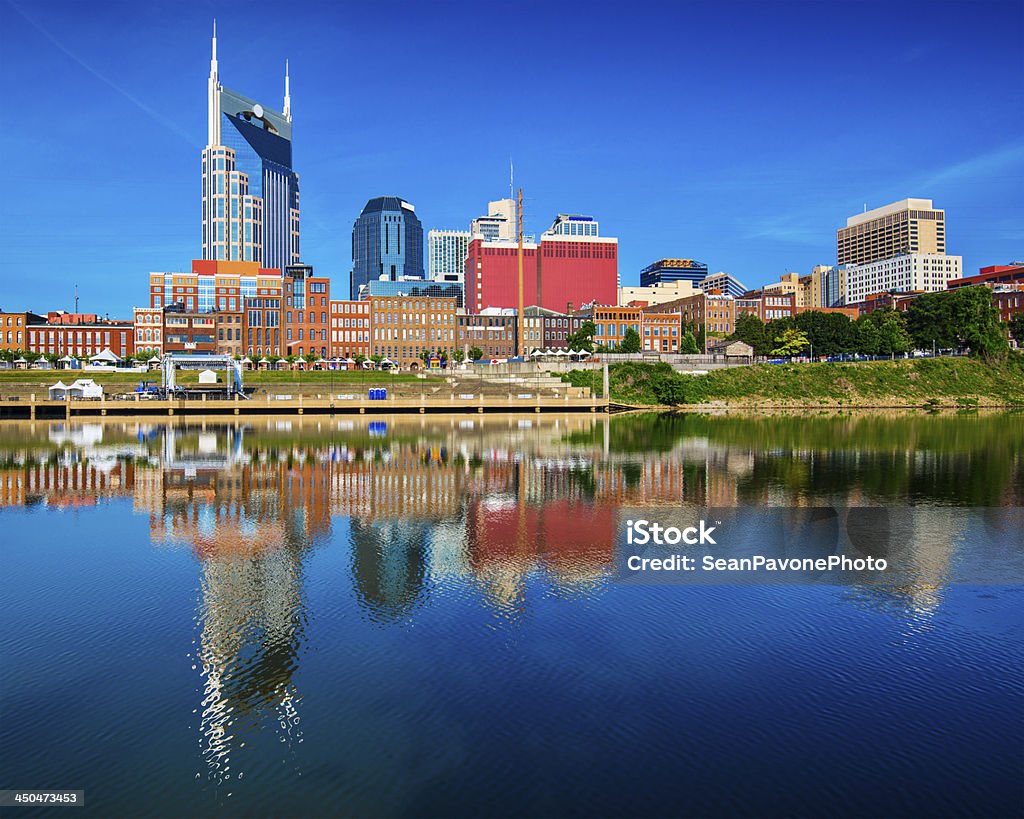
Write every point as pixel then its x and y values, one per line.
pixel 498 502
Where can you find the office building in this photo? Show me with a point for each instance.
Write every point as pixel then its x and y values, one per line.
pixel 673 270
pixel 573 224
pixel 656 293
pixel 723 283
pixel 387 243
pixel 250 192
pixel 913 272
pixel 446 255
pixel 499 225
pixel 833 285
pixel 902 228
pixel 413 287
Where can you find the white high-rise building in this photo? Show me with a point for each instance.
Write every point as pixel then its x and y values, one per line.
pixel 912 272
pixel 446 254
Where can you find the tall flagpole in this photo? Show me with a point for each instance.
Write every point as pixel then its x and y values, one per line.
pixel 519 226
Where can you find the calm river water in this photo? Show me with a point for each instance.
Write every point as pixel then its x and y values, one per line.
pixel 422 618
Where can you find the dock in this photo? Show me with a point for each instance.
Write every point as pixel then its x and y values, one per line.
pixel 31 409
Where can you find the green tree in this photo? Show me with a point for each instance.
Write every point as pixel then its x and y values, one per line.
pixel 976 320
pixel 751 330
pixel 867 336
pixel 964 317
pixel 359 358
pixel 688 344
pixel 309 358
pixel 829 333
pixel 1016 328
pixel 475 353
pixel 893 337
pixel 458 356
pixel 630 341
pixel 791 342
pixel 583 338
pixel 425 356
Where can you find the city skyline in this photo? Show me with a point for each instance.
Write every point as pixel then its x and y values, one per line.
pixel 753 191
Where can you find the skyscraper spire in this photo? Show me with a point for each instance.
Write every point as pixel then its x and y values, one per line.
pixel 213 96
pixel 287 94
pixel 213 56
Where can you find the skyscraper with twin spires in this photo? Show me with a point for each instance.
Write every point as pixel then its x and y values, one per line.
pixel 250 192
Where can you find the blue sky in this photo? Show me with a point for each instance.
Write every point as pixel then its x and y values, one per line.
pixel 740 134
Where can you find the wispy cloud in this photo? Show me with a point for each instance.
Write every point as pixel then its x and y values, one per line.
pixel 987 165
pixel 170 124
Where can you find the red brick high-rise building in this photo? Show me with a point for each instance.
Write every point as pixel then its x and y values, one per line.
pixel 571 266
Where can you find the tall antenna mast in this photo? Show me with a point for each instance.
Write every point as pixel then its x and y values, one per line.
pixel 519 227
pixel 76 298
pixel 511 178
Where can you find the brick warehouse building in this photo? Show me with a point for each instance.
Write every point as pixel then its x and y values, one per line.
pixel 401 327
pixel 570 266
pixel 350 328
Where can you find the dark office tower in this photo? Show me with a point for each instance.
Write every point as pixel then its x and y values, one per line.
pixel 387 242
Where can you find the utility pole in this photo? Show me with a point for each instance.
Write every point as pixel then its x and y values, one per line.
pixel 519 227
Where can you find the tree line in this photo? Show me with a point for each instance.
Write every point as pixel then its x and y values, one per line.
pixel 963 319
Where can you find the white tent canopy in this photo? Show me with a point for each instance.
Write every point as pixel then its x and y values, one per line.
pixel 58 391
pixel 106 356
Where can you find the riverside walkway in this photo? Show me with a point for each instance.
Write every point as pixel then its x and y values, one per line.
pixel 341 404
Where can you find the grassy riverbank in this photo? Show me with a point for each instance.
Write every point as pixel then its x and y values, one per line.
pixel 958 382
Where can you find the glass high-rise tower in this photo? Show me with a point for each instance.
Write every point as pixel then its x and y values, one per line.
pixel 387 241
pixel 250 192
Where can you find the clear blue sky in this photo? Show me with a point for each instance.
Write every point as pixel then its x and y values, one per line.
pixel 740 134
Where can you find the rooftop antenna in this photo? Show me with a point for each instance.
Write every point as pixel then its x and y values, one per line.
pixel 287 94
pixel 511 177
pixel 76 298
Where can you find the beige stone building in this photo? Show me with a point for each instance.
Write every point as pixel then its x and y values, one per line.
pixel 904 227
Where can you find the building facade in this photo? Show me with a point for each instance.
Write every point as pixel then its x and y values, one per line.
pixel 724 283
pixel 149 328
pixel 250 191
pixel 656 293
pixel 387 242
pixel 13 327
pixel 446 255
pixel 992 276
pixel 414 287
pixel 402 327
pixel 903 228
pixel 499 225
pixel 673 270
pixel 81 339
pixel 306 312
pixel 350 329
pixel 493 331
pixel 921 272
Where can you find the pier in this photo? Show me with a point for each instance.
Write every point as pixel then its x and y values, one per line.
pixel 271 404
